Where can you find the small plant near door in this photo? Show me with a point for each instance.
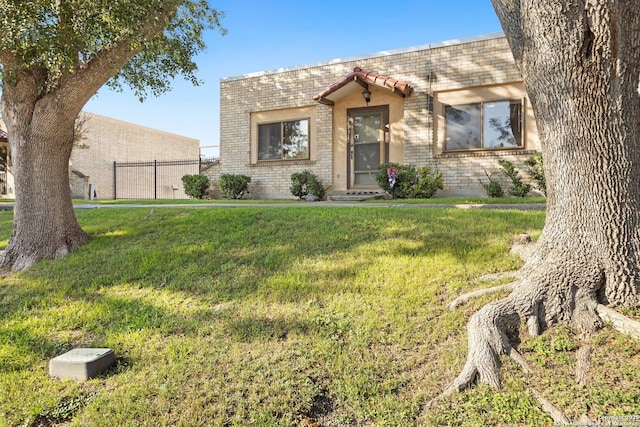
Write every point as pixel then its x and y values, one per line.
pixel 410 182
pixel 306 184
pixel 233 186
pixel 195 185
pixel 403 174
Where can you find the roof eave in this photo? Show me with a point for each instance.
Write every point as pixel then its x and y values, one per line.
pixel 364 78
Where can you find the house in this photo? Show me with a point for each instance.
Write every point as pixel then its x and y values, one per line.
pixel 153 161
pixel 458 106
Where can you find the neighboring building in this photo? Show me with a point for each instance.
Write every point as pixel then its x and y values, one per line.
pixel 103 141
pixel 6 178
pixel 459 106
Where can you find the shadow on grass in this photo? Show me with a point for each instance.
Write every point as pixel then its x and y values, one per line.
pixel 217 256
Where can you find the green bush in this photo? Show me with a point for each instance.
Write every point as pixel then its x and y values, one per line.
pixel 195 185
pixel 411 182
pixel 306 183
pixel 428 182
pixel 518 188
pixel 493 187
pixel 233 186
pixel 404 174
pixel 536 171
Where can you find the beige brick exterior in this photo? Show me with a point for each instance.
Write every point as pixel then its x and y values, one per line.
pixel 107 140
pixel 481 68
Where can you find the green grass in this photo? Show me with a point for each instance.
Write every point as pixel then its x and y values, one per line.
pixel 183 201
pixel 433 201
pixel 269 317
pixel 467 200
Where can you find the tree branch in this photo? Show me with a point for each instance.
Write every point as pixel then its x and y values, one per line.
pixel 78 87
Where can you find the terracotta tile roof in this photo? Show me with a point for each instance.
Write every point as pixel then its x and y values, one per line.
pixel 3 136
pixel 362 78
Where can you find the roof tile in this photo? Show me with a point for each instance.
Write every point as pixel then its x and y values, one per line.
pixel 363 77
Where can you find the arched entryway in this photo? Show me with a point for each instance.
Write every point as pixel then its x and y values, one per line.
pixel 368 111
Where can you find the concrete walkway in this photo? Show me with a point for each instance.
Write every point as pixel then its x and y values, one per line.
pixel 498 206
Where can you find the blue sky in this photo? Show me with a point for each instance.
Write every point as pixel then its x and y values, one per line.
pixel 266 35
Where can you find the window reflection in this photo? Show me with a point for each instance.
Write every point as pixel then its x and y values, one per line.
pixel 283 140
pixel 487 125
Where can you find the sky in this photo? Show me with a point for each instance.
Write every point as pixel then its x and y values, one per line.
pixel 267 35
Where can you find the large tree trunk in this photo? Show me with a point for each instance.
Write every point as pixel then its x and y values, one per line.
pixel 41 137
pixel 44 88
pixel 581 67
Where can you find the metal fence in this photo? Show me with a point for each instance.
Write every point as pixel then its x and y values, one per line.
pixel 154 179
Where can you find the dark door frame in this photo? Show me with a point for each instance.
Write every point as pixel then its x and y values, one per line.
pixel 384 127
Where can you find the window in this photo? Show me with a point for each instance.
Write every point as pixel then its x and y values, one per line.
pixel 283 140
pixel 484 125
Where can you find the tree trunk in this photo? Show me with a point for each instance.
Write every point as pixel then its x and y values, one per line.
pixel 44 226
pixel 580 63
pixel 44 88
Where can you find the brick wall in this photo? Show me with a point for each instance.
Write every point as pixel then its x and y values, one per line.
pixel 448 66
pixel 107 140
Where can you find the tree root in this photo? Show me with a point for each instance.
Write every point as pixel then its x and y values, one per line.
pixel 478 293
pixel 619 321
pixel 555 413
pixel 559 418
pixel 583 365
pixel 541 297
pixel 488 341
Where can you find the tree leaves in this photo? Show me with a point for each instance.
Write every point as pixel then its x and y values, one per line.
pixel 65 36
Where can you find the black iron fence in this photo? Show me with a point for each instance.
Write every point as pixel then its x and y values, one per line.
pixel 155 179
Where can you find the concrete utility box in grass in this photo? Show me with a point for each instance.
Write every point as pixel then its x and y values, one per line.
pixel 81 363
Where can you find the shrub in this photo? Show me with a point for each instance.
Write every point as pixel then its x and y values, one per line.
pixel 233 186
pixel 518 188
pixel 428 182
pixel 536 171
pixel 411 182
pixel 493 187
pixel 195 185
pixel 306 183
pixel 404 174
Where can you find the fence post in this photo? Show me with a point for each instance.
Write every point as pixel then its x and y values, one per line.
pixel 115 181
pixel 155 180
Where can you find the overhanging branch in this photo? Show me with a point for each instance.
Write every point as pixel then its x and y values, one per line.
pixel 78 87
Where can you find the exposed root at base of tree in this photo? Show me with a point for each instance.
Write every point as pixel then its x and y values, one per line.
pixel 487 328
pixel 478 293
pixel 488 339
pixel 21 255
pixel 556 414
pixel 583 365
pixel 619 321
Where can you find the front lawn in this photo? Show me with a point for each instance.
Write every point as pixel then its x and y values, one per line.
pixel 282 317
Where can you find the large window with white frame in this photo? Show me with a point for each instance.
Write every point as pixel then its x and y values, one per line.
pixel 283 140
pixel 484 125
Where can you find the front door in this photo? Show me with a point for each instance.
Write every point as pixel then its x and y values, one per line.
pixel 368 145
